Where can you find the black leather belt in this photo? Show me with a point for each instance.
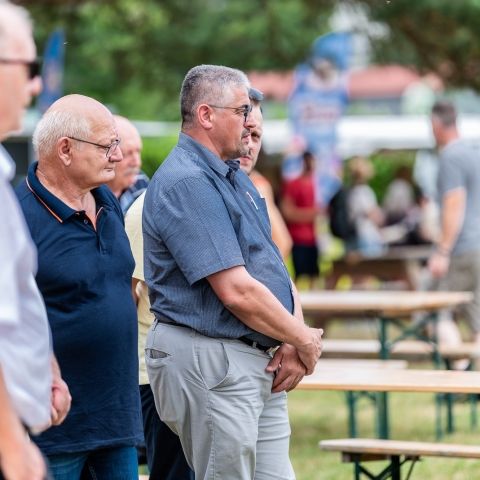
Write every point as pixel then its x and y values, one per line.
pixel 254 344
pixel 248 341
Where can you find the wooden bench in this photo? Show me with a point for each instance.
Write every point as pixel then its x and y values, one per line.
pixel 361 363
pixel 398 453
pixel 410 350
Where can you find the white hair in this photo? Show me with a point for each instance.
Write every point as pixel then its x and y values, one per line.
pixel 56 124
pixel 9 12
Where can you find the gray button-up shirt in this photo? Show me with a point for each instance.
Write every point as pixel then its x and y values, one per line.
pixel 198 221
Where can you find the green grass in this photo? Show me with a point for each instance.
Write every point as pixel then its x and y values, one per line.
pixel 316 416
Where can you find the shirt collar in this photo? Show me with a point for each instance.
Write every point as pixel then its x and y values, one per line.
pixel 204 154
pixel 53 204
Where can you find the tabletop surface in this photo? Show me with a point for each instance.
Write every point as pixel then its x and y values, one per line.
pixel 371 303
pixel 391 380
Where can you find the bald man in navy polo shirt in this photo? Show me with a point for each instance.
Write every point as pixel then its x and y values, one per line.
pixel 84 275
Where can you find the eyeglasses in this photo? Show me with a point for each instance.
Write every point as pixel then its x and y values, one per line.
pixel 244 110
pixel 109 148
pixel 34 66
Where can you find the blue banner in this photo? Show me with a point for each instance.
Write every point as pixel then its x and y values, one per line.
pixel 52 71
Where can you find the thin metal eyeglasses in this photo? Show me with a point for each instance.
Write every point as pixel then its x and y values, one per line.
pixel 244 110
pixel 34 66
pixel 110 149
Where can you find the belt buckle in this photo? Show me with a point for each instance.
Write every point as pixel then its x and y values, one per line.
pixel 272 350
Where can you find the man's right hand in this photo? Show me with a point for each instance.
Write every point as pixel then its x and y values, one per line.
pixel 310 351
pixel 23 461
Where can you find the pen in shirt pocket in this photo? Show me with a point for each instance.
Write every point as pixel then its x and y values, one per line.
pixel 252 200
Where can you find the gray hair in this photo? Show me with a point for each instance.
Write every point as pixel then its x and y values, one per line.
pixel 56 124
pixel 9 12
pixel 207 84
pixel 445 112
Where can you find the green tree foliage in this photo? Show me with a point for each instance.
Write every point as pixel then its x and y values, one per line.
pixel 133 54
pixel 442 36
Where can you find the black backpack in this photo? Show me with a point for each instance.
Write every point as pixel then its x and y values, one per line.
pixel 340 224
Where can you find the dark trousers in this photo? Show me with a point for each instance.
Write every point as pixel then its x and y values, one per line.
pixel 165 457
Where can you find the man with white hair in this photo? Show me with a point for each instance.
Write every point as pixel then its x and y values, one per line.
pixel 226 317
pixel 84 275
pixel 29 393
pixel 129 182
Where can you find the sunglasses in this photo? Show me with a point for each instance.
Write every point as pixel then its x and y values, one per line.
pixel 34 66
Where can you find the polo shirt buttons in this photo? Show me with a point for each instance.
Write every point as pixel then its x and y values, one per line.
pixel 85 221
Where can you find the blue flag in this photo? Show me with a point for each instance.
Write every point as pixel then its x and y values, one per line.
pixel 52 71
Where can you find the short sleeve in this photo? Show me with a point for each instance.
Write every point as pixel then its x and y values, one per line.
pixel 451 174
pixel 194 222
pixel 133 227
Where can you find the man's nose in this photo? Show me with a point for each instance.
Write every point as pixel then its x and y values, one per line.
pixel 116 156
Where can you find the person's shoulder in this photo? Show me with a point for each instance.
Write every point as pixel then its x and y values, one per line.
pixel 24 195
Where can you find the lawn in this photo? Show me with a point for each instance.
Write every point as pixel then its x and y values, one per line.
pixel 322 415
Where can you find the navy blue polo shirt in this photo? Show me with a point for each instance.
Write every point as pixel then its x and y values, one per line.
pixel 197 221
pixel 84 275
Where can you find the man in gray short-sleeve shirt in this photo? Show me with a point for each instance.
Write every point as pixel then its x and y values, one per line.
pixel 456 260
pixel 221 295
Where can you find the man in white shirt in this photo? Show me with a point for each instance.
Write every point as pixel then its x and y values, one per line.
pixel 32 394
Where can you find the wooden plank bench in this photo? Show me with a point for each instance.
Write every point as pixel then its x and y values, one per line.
pixel 360 363
pixel 410 350
pixel 398 453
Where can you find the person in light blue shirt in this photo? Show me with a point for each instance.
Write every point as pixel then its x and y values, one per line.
pixel 229 337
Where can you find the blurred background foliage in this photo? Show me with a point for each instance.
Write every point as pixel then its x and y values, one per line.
pixel 133 54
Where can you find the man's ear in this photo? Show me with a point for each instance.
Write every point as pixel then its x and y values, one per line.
pixel 65 150
pixel 204 116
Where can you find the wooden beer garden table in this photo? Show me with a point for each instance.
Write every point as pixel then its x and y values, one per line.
pixel 387 307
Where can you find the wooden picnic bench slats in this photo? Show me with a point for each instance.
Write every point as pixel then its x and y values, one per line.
pixel 378 303
pixel 394 447
pixel 406 349
pixel 361 363
pixel 382 380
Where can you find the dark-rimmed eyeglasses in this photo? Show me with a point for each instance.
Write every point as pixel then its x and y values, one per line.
pixel 243 109
pixel 34 66
pixel 110 149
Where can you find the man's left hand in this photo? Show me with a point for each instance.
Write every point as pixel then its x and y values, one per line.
pixel 61 401
pixel 288 368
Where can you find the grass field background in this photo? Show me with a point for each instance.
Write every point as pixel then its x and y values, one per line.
pixel 316 416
